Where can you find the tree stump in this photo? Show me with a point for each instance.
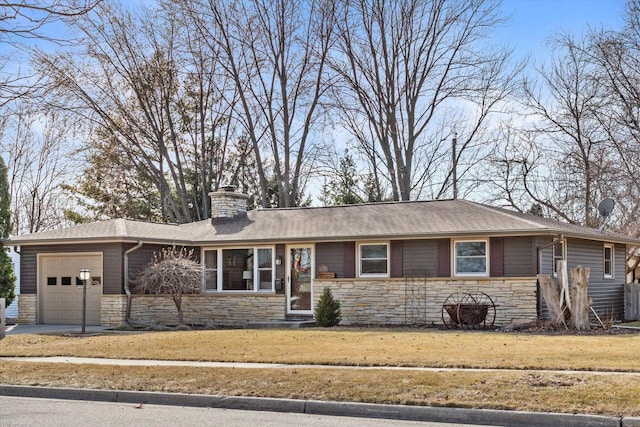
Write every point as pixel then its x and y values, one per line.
pixel 580 300
pixel 552 298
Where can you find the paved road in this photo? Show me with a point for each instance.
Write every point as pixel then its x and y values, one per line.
pixel 28 412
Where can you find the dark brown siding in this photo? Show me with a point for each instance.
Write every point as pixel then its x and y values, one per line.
pixel 444 258
pixel 420 258
pixel 349 259
pixel 140 258
pixel 396 258
pixel 520 257
pixel 496 253
pixel 112 264
pixel 330 255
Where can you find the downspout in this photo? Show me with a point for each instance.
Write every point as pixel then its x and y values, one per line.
pixel 538 262
pixel 126 278
pixel 547 245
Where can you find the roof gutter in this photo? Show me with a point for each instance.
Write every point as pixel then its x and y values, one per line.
pixel 126 277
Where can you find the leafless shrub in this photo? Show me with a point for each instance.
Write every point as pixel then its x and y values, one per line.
pixel 172 272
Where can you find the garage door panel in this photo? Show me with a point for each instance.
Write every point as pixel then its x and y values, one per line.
pixel 63 303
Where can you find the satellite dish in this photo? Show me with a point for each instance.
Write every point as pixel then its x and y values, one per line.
pixel 605 207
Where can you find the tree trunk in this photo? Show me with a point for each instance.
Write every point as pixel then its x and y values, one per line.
pixel 552 298
pixel 580 299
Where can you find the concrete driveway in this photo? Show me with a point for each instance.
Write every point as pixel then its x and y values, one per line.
pixel 47 329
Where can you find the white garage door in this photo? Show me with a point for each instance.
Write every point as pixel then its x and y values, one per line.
pixel 61 289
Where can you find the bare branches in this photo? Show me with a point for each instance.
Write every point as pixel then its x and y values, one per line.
pixel 404 67
pixel 275 52
pixel 26 18
pixel 172 272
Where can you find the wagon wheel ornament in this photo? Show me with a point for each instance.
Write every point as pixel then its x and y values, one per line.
pixel 450 309
pixel 469 310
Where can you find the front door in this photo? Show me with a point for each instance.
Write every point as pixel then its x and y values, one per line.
pixel 299 279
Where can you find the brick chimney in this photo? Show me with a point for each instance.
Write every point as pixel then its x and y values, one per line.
pixel 227 205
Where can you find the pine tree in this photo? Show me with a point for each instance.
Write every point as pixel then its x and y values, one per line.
pixel 7 277
pixel 327 312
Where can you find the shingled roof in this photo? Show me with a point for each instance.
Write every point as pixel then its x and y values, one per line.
pixel 393 220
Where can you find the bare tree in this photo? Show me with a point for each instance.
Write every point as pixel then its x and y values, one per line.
pixel 25 21
pixel 36 147
pixel 172 272
pixel 617 56
pixel 156 94
pixel 565 174
pixel 275 51
pixel 405 69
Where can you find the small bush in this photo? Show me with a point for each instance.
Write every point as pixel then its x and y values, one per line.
pixel 327 312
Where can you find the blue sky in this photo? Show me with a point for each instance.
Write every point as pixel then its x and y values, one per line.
pixel 533 21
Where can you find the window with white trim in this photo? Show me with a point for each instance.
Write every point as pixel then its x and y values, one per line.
pixel 557 255
pixel 210 270
pixel 609 254
pixel 265 269
pixel 237 269
pixel 470 258
pixel 373 259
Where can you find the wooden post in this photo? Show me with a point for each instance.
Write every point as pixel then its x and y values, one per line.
pixel 563 277
pixel 580 306
pixel 551 296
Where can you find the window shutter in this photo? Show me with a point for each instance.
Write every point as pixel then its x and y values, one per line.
pixel 496 264
pixel 396 258
pixel 349 260
pixel 444 258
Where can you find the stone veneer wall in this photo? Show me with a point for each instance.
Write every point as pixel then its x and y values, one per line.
pixel 363 302
pixel 28 309
pixel 209 309
pixel 419 301
pixel 113 310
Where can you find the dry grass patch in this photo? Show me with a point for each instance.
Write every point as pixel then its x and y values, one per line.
pixel 570 393
pixel 349 347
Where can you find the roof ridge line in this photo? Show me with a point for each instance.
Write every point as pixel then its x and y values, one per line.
pixel 351 205
pixel 506 213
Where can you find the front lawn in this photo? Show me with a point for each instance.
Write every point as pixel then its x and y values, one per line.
pixel 531 390
pixel 368 347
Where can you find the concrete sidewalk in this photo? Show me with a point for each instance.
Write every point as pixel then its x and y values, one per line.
pixel 50 329
pixel 245 365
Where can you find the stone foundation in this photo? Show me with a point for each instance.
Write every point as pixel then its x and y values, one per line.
pixel 28 309
pixel 113 310
pixel 419 301
pixel 209 309
pixel 362 301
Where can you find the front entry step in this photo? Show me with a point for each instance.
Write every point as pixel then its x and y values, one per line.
pixel 282 324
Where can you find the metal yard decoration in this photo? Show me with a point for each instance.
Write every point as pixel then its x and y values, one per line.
pixel 469 310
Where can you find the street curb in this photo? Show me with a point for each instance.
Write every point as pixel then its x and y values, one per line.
pixel 347 409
